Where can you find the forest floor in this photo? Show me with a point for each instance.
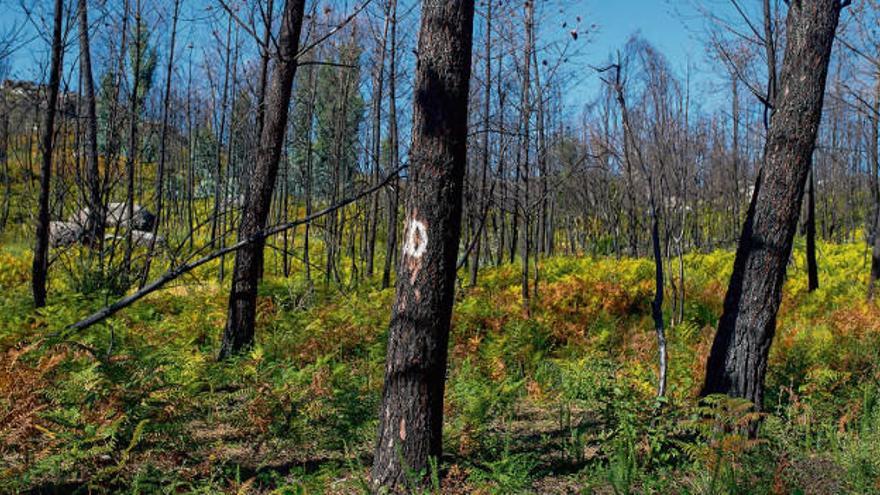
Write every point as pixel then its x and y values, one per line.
pixel 561 402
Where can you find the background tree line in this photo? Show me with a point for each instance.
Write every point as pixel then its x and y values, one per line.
pixel 285 116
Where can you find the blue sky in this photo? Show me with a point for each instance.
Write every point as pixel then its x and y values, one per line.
pixel 656 21
pixel 669 25
pixel 672 26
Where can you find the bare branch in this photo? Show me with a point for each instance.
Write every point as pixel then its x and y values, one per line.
pixel 176 272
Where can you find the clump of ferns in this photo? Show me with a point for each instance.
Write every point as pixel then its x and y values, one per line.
pixel 721 437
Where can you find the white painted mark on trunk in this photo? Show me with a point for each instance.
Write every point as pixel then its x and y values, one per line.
pixel 416 242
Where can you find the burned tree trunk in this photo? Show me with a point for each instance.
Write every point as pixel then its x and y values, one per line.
pixel 874 155
pixel 379 83
pixel 632 149
pixel 133 146
pixel 163 144
pixel 411 415
pixel 523 163
pixel 484 158
pixel 41 249
pixel 812 268
pixel 265 51
pixel 94 228
pixel 394 151
pixel 4 163
pixel 239 332
pixel 738 360
pixel 219 187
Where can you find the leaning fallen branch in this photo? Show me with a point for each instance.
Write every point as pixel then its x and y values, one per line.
pixel 176 272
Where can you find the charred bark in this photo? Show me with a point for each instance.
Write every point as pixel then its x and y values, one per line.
pixel 411 415
pixel 239 332
pixel 737 363
pixel 812 267
pixel 874 155
pixel 40 265
pixel 94 228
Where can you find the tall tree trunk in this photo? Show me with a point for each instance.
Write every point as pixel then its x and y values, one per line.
pixel 4 163
pixel 812 268
pixel 874 154
pixel 657 303
pixel 632 148
pixel 770 56
pixel 309 183
pixel 132 154
pixel 227 218
pixel 163 138
pixel 239 332
pixel 411 415
pixel 736 194
pixel 484 159
pixel 524 161
pixel 737 363
pixel 379 83
pixel 501 174
pixel 265 51
pixel 41 249
pixel 191 162
pixel 94 228
pixel 394 190
pixel 218 165
pixel 875 261
pixel 542 239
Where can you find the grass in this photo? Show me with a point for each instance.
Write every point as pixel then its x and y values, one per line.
pixel 562 402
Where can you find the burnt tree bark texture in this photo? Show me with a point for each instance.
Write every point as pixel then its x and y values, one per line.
pixel 239 332
pixel 738 360
pixel 40 265
pixel 94 230
pixel 812 267
pixel 411 415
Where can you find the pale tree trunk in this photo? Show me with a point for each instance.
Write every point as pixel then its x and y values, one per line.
pixel 411 414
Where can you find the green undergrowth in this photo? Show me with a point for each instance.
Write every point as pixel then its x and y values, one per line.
pixel 560 401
